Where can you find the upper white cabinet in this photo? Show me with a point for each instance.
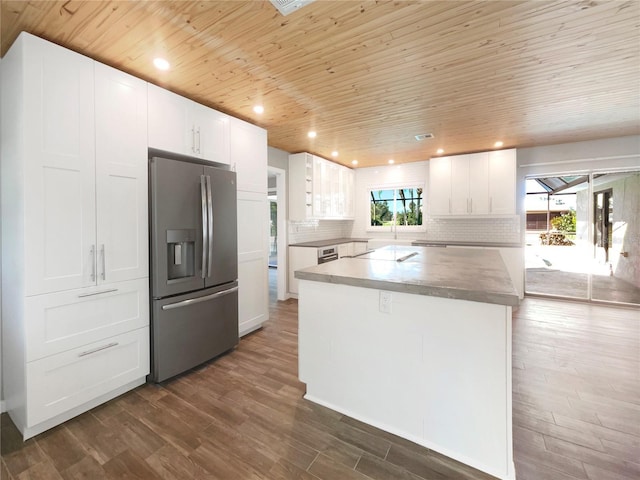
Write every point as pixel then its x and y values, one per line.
pixel 319 189
pixel 473 184
pixel 502 182
pixel 180 125
pixel 470 184
pixel 248 146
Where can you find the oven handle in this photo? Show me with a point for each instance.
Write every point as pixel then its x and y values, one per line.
pixel 328 258
pixel 186 303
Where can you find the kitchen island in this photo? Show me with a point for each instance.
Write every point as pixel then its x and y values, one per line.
pixel 415 341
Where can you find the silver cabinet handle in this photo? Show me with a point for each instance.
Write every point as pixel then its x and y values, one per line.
pixel 193 139
pixel 198 132
pixel 205 228
pixel 93 263
pixel 97 293
pixel 210 231
pixel 186 303
pixel 104 262
pixel 95 350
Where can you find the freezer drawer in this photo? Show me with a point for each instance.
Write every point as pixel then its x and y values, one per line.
pixel 188 330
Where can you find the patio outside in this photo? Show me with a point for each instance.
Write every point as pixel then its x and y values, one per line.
pixel 604 247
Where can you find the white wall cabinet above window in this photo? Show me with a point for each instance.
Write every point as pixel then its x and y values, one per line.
pixel 474 184
pixel 319 189
pixel 180 125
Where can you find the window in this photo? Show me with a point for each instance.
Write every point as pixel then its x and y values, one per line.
pixel 396 207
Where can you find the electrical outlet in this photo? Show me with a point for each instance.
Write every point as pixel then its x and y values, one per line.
pixel 385 302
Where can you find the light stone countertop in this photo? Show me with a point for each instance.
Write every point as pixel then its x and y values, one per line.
pixel 464 274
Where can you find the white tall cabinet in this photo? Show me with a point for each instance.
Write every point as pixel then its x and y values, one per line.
pixel 248 148
pixel 74 238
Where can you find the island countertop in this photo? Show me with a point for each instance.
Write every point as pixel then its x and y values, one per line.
pixel 474 275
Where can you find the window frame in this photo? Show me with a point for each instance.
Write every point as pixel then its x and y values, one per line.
pixel 395 187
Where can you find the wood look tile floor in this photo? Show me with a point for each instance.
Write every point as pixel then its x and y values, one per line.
pixel 575 395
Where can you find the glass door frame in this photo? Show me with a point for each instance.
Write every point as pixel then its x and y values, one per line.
pixel 591 215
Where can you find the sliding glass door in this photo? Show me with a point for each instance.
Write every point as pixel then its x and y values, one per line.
pixel 583 236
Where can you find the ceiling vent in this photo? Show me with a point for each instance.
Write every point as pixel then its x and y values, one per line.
pixel 424 136
pixel 285 7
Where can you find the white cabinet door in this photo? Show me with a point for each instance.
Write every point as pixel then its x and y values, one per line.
pixel 169 126
pixel 211 134
pixel 248 146
pixel 299 258
pixel 349 189
pixel 502 182
pixel 440 186
pixel 478 183
pixel 345 250
pixel 121 175
pixel 459 185
pixel 60 168
pixel 253 260
pixel 318 187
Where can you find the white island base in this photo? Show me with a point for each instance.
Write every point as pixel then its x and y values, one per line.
pixel 436 371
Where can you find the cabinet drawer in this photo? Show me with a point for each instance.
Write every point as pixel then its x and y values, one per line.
pixel 67 380
pixel 61 321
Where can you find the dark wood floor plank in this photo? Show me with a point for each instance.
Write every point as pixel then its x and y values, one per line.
pixel 85 469
pixel 326 468
pixel 378 469
pixel 130 466
pixel 61 447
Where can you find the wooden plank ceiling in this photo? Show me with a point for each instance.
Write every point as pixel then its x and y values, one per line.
pixel 370 75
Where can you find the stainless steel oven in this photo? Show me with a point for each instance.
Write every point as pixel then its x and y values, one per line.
pixel 327 254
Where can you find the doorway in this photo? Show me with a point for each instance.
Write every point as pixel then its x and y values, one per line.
pixel 582 237
pixel 276 185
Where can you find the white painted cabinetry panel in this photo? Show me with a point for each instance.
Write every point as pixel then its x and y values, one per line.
pixel 299 258
pixel 253 258
pixel 74 209
pixel 502 182
pixel 249 155
pixel 473 185
pixel 121 175
pixel 64 381
pixel 60 148
pixel 60 321
pixel 180 125
pixel 319 189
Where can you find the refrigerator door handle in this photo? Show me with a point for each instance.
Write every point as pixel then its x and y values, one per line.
pixel 186 303
pixel 205 228
pixel 210 241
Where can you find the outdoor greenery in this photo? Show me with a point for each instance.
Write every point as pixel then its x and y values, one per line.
pixel 565 222
pixel 405 203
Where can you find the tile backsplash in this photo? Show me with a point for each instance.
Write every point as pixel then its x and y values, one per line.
pixel 502 230
pixel 310 230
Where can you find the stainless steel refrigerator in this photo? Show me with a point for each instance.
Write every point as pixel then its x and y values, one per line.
pixel 194 264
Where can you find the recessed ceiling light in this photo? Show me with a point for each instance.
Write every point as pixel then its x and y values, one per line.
pixel 258 109
pixel 334 153
pixel 440 151
pixel 391 161
pixel 498 144
pixel 354 162
pixel 161 63
pixel 312 134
